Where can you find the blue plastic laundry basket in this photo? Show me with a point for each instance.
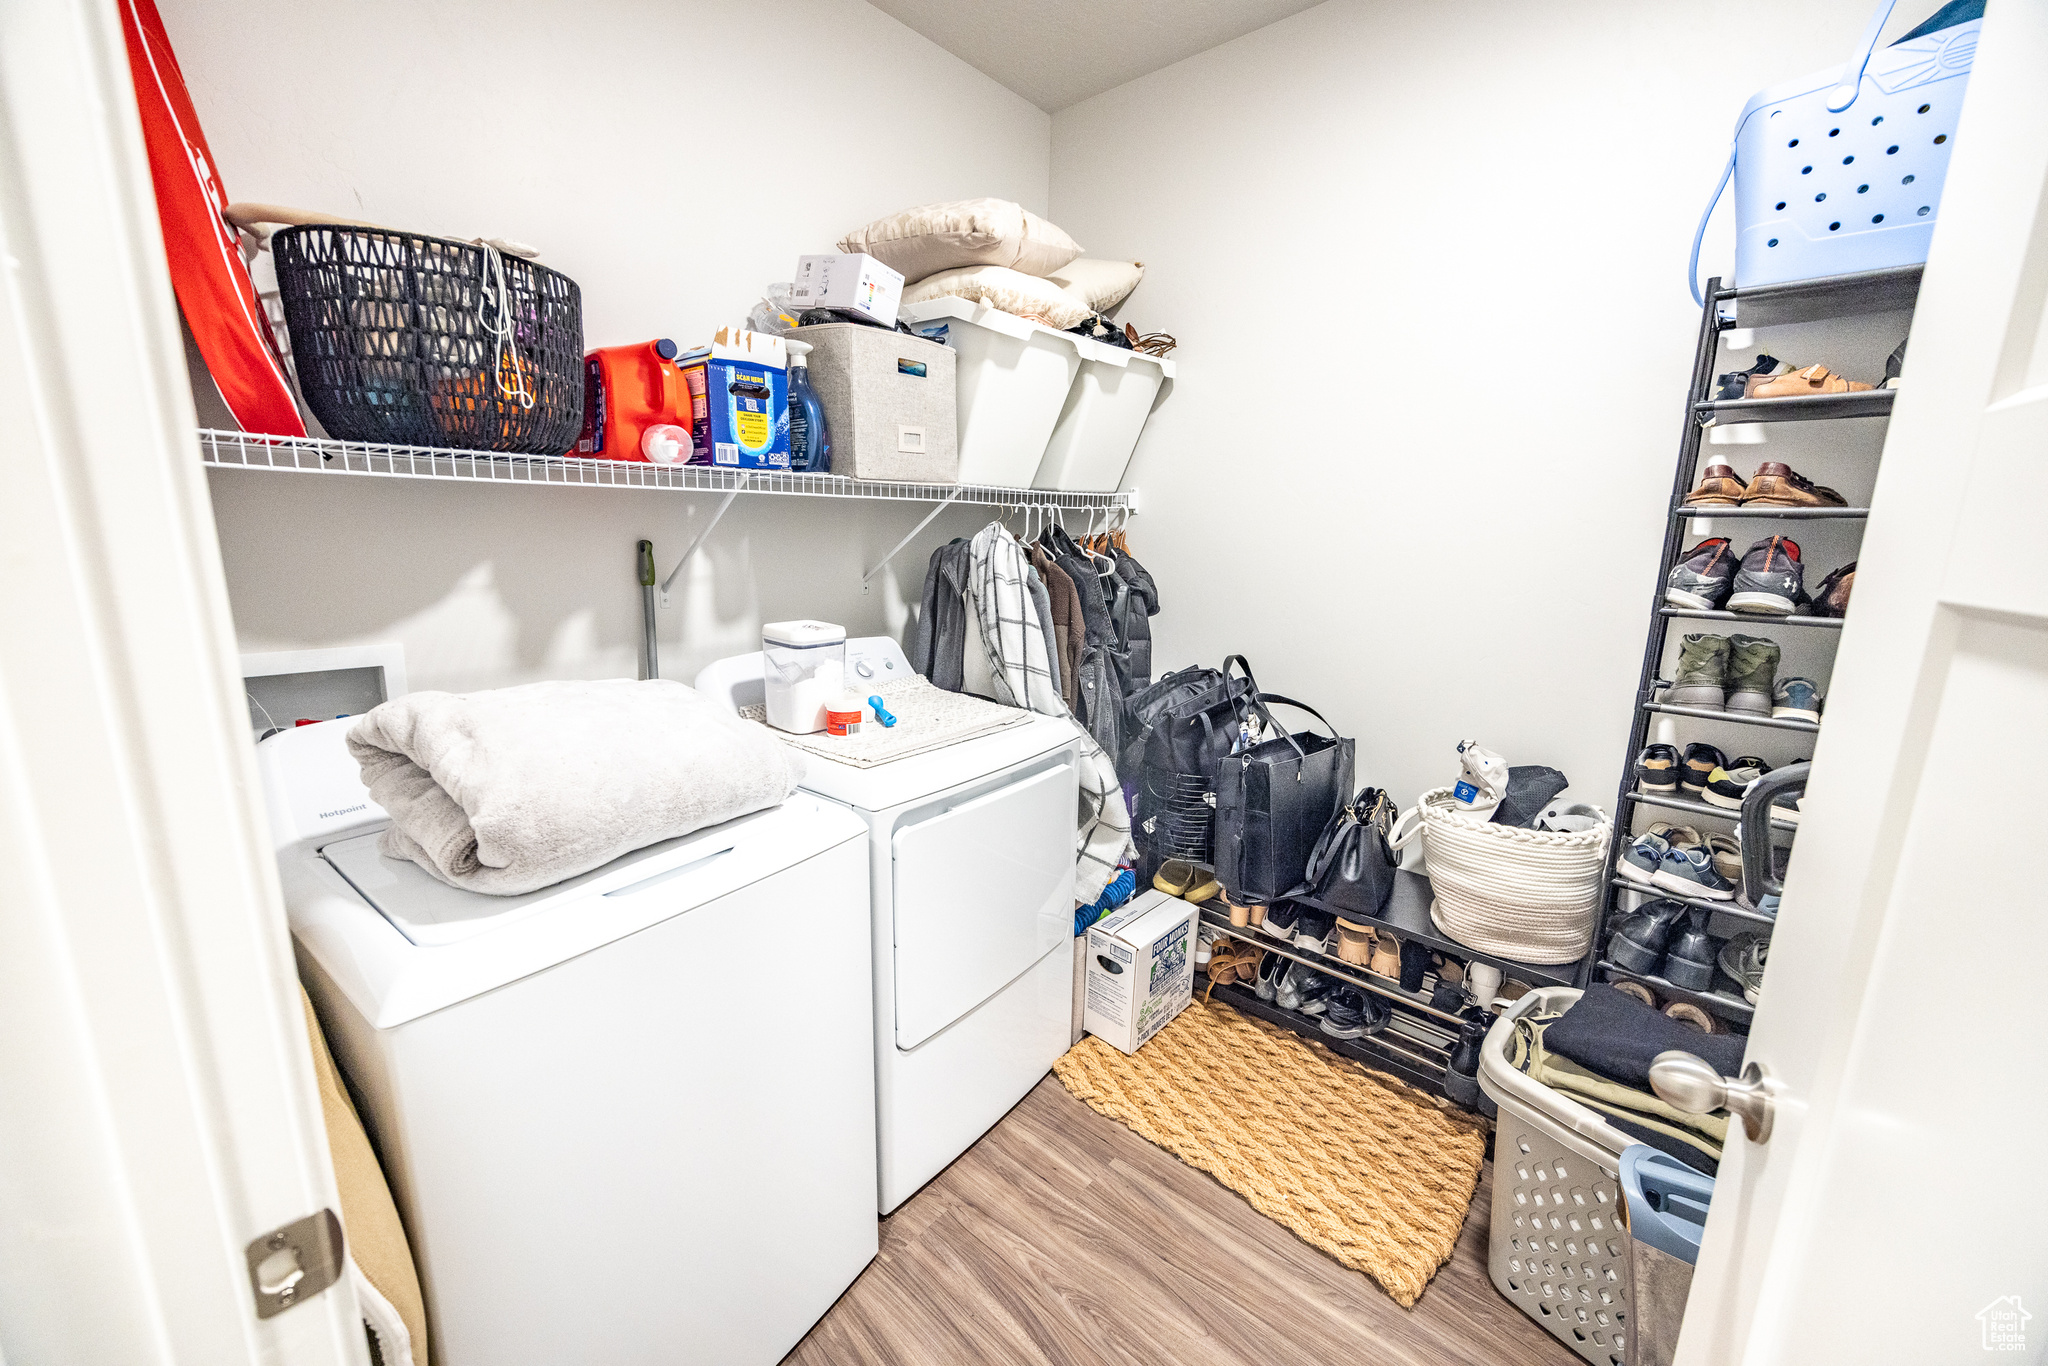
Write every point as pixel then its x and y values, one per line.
pixel 1841 171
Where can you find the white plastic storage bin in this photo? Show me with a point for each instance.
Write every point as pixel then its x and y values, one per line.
pixel 1560 1246
pixel 1103 417
pixel 1012 378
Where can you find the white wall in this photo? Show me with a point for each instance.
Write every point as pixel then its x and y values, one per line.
pixel 671 156
pixel 1426 263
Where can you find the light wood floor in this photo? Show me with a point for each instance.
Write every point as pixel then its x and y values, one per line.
pixel 1062 1237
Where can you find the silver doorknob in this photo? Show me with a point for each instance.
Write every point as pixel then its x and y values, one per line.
pixel 1689 1084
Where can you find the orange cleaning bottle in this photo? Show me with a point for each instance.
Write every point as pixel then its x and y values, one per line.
pixel 626 391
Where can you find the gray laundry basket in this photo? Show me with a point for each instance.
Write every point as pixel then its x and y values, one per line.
pixel 1560 1244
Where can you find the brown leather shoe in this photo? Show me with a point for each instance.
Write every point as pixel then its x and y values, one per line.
pixel 1781 486
pixel 1720 486
pixel 1814 379
pixel 1831 599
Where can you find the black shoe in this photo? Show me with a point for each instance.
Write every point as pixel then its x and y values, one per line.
pixel 1704 578
pixel 1657 771
pixel 1304 989
pixel 1449 999
pixel 1415 958
pixel 1700 762
pixel 1270 968
pixel 1690 961
pixel 1640 937
pixel 1312 930
pixel 1280 918
pixel 1735 383
pixel 1344 1014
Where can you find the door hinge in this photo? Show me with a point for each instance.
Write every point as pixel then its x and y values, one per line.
pixel 296 1262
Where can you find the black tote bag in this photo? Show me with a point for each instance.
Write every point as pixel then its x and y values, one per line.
pixel 1274 799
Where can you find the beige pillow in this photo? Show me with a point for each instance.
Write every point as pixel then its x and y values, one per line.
pixel 1012 291
pixel 1101 285
pixel 969 232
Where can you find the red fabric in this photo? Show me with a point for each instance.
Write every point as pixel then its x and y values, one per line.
pixel 213 285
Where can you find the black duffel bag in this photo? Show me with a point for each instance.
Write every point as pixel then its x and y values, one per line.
pixel 1274 799
pixel 1352 866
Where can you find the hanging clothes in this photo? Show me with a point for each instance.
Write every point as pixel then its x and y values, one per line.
pixel 940 635
pixel 1070 631
pixel 1041 605
pixel 1015 645
pixel 1098 673
pixel 1133 619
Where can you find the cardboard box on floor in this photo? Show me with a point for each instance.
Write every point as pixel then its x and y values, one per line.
pixel 1141 969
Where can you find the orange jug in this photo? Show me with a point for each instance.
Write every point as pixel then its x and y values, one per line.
pixel 626 390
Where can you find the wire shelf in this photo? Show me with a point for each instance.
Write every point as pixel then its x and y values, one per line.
pixel 1712 512
pixel 308 455
pixel 1754 618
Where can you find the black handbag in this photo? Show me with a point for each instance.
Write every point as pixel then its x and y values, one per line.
pixel 1274 799
pixel 1352 866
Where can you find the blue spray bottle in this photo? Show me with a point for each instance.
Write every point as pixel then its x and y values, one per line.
pixel 810 444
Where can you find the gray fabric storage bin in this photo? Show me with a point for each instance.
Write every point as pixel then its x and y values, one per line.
pixel 877 404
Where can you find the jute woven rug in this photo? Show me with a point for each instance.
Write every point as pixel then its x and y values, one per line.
pixel 1364 1169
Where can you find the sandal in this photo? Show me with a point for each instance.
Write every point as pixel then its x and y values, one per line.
pixel 1354 941
pixel 1386 957
pixel 1814 379
pixel 1636 991
pixel 1187 880
pixel 1686 1013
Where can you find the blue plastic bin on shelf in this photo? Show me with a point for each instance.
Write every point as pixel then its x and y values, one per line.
pixel 1667 1214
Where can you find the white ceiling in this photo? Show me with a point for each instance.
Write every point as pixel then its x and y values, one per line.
pixel 1059 52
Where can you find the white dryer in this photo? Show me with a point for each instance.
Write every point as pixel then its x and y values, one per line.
pixel 972 866
pixel 628 1118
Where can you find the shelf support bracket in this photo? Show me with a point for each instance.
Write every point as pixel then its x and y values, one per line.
pixel 944 503
pixel 735 491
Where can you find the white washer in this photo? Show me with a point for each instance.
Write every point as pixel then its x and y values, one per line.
pixel 973 894
pixel 628 1118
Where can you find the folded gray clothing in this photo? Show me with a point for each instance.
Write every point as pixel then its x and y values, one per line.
pixel 514 789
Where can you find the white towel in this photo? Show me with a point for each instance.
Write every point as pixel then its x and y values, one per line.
pixel 515 789
pixel 1014 644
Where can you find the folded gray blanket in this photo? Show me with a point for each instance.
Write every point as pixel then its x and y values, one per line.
pixel 515 789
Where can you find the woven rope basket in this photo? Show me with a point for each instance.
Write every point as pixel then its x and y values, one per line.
pixel 1530 895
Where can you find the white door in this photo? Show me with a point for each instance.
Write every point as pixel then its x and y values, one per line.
pixel 1899 1210
pixel 157 1103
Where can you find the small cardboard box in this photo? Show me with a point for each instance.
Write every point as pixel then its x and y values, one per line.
pixel 853 281
pixel 741 420
pixel 1141 969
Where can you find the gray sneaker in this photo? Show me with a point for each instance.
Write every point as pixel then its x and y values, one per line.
pixel 1752 672
pixel 1702 580
pixel 1702 673
pixel 1742 958
pixel 1691 872
pixel 1796 699
pixel 1772 581
pixel 1641 860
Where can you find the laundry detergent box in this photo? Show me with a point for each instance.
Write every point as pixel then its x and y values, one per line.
pixel 851 280
pixel 743 422
pixel 1141 969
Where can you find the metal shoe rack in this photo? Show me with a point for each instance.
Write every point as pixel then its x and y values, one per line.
pixel 1417 1041
pixel 1878 291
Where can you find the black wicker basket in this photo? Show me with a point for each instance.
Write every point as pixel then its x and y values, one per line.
pixel 399 338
